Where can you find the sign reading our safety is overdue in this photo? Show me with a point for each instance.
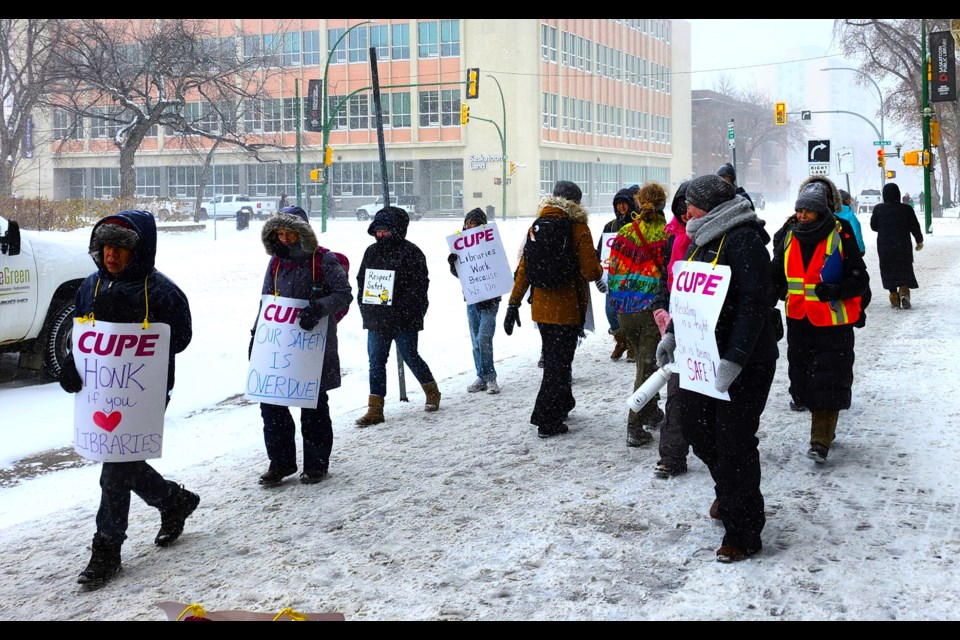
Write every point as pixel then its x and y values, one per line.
pixel 699 289
pixel 482 264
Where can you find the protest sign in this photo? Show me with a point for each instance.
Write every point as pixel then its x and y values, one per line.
pixel 481 263
pixel 606 241
pixel 378 286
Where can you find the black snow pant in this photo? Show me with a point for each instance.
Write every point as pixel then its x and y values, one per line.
pixel 117 480
pixel 279 436
pixel 673 446
pixel 555 398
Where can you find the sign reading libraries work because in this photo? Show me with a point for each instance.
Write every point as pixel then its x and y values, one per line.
pixel 699 289
pixel 286 361
pixel 481 263
pixel 378 286
pixel 118 415
pixel 606 242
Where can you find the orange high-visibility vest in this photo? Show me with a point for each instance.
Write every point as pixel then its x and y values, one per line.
pixel 802 300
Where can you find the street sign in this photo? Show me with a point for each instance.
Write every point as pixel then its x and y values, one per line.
pixel 818 151
pixel 805 116
pixel 845 161
pixel 819 168
pixel 881 143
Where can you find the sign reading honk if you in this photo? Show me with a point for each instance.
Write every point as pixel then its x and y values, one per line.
pixel 118 415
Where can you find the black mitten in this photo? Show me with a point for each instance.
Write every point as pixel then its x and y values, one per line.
pixel 511 318
pixel 250 347
pixel 310 315
pixel 70 380
pixel 827 292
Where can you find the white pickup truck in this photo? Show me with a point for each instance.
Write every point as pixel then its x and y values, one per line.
pixel 39 277
pixel 228 206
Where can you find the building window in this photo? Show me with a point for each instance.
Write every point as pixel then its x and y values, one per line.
pixel 566 114
pixel 548 176
pixel 77 186
pixel 399 110
pixel 359 112
pixel 290 113
pixel 224 178
pixel 549 111
pixel 400 42
pixel 430 109
pixel 270 179
pixel 106 183
pixel 364 178
pixel 291 49
pixel 272 50
pixel 608 181
pixel 428 44
pixel 450 107
pixel 252 47
pixel 67 125
pixel 148 181
pixel 548 42
pixel 449 38
pixel 446 185
pixel 311 48
pixel 272 116
pixel 379 38
pixel 338 55
pixel 209 119
pixel 338 111
pixel 357 45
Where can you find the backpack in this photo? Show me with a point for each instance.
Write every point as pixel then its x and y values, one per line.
pixel 318 266
pixel 548 254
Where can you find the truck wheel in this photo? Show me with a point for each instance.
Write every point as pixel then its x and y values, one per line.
pixel 55 341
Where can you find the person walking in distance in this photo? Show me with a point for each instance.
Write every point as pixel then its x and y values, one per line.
pixel 725 230
pixel 558 310
pixel 125 288
pixel 300 269
pixel 623 206
pixel 895 223
pixel 397 314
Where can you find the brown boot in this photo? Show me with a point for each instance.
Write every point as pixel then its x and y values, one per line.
pixel 620 347
pixel 432 393
pixel 894 299
pixel 374 413
pixel 904 297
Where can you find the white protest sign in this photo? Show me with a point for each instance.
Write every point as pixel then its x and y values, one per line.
pixel 481 263
pixel 378 286
pixel 118 416
pixel 699 289
pixel 286 361
pixel 606 242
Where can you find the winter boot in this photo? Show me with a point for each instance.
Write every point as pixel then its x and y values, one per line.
pixel 904 297
pixel 637 436
pixel 432 401
pixel 374 413
pixel 104 564
pixel 894 299
pixel 620 347
pixel 174 515
pixel 631 357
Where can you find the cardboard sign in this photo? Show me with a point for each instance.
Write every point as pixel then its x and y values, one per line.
pixel 286 361
pixel 699 289
pixel 118 416
pixel 606 242
pixel 481 263
pixel 378 286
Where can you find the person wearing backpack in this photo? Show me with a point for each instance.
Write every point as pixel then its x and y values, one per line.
pixel 299 268
pixel 559 262
pixel 399 317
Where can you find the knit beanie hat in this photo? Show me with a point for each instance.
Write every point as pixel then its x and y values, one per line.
pixel 813 198
pixel 844 196
pixel 707 192
pixel 727 170
pixel 476 215
pixel 679 205
pixel 568 190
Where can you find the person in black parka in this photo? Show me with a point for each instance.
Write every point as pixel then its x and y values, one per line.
pixel 895 223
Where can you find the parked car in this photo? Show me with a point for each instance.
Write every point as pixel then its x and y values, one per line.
pixel 407 203
pixel 867 200
pixel 39 278
pixel 228 206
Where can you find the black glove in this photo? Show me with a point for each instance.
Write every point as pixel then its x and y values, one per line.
pixel 250 346
pixel 70 380
pixel 452 259
pixel 827 292
pixel 512 318
pixel 310 315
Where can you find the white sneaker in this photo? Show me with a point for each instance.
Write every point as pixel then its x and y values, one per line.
pixel 478 385
pixel 493 387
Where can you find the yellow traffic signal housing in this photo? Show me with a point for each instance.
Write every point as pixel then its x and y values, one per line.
pixel 911 158
pixel 328 156
pixel 511 168
pixel 891 174
pixel 881 160
pixel 315 174
pixel 464 113
pixel 934 133
pixel 781 113
pixel 473 83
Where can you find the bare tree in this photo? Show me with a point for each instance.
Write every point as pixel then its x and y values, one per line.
pixel 25 62
pixel 129 76
pixel 890 49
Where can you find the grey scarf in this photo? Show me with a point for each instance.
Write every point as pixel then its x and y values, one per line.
pixel 721 219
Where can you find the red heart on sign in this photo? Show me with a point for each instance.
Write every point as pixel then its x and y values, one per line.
pixel 107 422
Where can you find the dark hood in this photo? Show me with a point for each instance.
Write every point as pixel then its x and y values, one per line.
pixel 393 218
pixel 144 254
pixel 624 195
pixel 891 193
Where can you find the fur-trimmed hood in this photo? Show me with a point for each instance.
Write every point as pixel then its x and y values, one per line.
pixel 574 211
pixel 141 223
pixel 268 235
pixel 833 194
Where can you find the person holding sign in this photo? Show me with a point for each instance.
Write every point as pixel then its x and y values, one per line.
pixel 392 286
pixel 481 320
pixel 723 393
pixel 818 270
pixel 300 270
pixel 127 288
pixel 622 214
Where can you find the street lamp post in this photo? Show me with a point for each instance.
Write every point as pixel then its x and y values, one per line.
pixel 883 172
pixel 327 120
pixel 503 146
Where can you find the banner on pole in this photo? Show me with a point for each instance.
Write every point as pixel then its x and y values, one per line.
pixel 943 74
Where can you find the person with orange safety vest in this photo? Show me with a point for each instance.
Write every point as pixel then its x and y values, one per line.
pixel 819 272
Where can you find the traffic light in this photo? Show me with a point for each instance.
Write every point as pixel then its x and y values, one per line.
pixel 315 175
pixel 881 160
pixel 511 167
pixel 473 83
pixel 934 133
pixel 781 113
pixel 328 156
pixel 464 113
pixel 891 174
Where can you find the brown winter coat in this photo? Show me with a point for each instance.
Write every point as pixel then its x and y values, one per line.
pixel 564 305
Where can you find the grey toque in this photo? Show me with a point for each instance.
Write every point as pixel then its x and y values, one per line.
pixel 813 198
pixel 706 192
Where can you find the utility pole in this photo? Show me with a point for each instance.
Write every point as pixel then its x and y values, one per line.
pixel 926 113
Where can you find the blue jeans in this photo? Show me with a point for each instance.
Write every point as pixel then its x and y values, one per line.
pixel 483 324
pixel 611 309
pixel 378 352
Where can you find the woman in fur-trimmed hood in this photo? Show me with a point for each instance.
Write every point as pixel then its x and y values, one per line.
pixel 295 219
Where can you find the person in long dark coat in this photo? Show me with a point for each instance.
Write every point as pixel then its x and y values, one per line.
pixel 894 223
